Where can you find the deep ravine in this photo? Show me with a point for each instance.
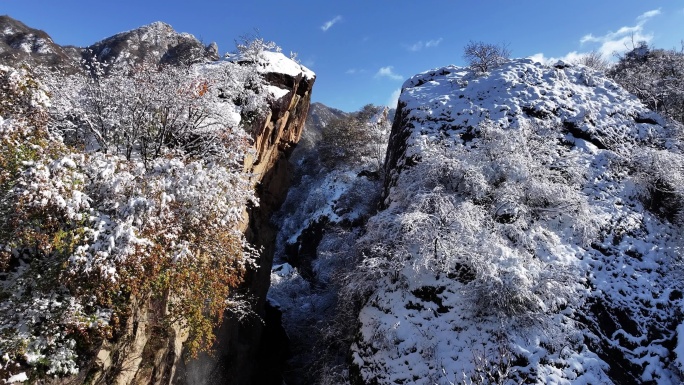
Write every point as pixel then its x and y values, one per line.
pixel 319 224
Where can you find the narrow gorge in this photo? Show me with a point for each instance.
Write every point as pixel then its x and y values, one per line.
pixel 169 216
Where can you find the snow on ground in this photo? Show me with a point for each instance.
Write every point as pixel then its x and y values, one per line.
pixel 516 245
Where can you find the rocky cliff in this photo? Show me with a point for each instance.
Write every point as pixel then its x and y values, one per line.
pixel 275 137
pixel 147 352
pixel 148 357
pixel 523 236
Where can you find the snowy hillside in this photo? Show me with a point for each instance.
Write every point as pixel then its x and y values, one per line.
pixel 124 204
pixel 531 232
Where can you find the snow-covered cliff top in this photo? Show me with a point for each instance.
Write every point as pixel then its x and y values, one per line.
pixel 276 62
pixel 563 93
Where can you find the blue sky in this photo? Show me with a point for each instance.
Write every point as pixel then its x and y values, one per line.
pixel 362 51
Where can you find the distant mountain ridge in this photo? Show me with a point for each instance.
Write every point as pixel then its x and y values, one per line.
pixel 319 116
pixel 20 44
pixel 155 43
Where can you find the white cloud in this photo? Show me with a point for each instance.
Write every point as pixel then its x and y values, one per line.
pixel 433 43
pixel 394 98
pixel 355 71
pixel 388 72
pixel 570 57
pixel 624 38
pixel 328 24
pixel 421 44
pixel 649 14
pixel 416 47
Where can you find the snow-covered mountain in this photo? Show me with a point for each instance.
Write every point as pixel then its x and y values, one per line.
pixel 20 44
pixel 531 232
pixel 320 115
pixel 155 43
pixel 526 228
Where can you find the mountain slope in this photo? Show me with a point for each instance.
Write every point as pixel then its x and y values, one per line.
pixel 530 232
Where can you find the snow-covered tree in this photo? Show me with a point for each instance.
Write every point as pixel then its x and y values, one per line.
pixel 144 112
pixel 595 60
pixel 483 57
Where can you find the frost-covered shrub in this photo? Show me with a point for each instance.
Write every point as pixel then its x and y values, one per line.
pixel 145 112
pixel 41 211
pixel 83 235
pixel 486 216
pixel 656 76
pixel 594 60
pixel 518 285
pixel 22 96
pixel 251 47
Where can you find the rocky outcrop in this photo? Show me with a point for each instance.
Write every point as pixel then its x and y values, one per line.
pixel 146 351
pixel 464 286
